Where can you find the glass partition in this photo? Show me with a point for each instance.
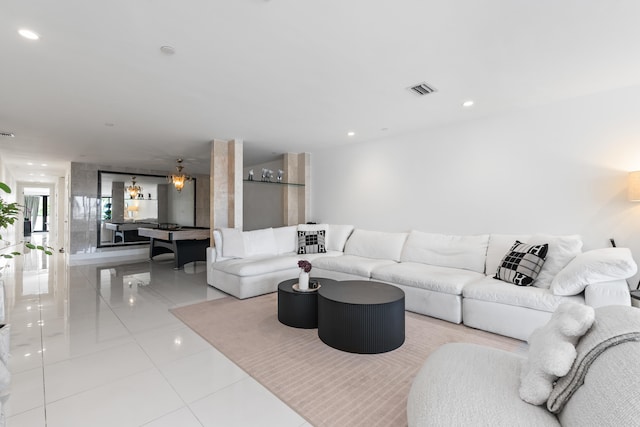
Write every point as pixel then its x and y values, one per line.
pixel 129 202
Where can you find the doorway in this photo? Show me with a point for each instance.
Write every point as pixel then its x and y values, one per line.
pixel 36 210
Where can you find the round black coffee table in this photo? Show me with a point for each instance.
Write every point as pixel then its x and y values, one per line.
pixel 299 309
pixel 361 316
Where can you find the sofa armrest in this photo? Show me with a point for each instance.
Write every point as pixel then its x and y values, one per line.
pixel 615 292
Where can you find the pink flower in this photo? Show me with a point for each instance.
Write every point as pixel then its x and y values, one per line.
pixel 305 265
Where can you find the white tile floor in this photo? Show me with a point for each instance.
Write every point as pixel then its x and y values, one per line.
pixel 96 345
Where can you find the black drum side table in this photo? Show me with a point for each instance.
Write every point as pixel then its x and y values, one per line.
pixel 363 317
pixel 299 309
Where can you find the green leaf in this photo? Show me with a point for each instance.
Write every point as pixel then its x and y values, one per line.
pixel 30 245
pixel 16 253
pixel 48 252
pixel 40 247
pixel 7 256
pixel 4 187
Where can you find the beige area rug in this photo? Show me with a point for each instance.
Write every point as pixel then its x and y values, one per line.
pixel 326 386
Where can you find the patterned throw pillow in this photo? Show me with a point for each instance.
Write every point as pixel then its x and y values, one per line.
pixel 522 264
pixel 312 242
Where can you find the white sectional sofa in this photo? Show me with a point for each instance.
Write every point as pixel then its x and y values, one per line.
pixel 444 276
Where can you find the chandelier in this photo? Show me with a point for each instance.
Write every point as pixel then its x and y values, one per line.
pixel 134 190
pixel 178 179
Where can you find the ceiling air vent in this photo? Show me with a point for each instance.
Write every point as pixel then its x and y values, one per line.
pixel 10 135
pixel 421 89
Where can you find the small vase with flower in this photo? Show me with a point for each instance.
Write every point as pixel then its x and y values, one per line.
pixel 303 279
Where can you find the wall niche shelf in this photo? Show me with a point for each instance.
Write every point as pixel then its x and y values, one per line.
pixel 274 183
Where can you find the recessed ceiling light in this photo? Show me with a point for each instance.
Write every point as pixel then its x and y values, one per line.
pixel 351 133
pixel 29 163
pixel 468 103
pixel 167 50
pixel 28 34
pixel 43 164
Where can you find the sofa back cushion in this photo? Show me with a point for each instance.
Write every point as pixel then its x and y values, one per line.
pixel 375 244
pixel 286 238
pixel 443 250
pixel 232 243
pixel 499 245
pixel 260 242
pixel 562 249
pixel 337 236
pixel 217 243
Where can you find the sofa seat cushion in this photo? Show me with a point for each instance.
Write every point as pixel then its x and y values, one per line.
pixel 464 384
pixel 255 266
pixel 351 264
pixel 494 290
pixel 434 278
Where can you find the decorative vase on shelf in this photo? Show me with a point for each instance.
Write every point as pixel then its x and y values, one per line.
pixel 303 281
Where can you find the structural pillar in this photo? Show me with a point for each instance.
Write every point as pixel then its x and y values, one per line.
pixel 297 167
pixel 226 184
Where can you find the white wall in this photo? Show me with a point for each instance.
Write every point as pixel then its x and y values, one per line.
pixel 558 169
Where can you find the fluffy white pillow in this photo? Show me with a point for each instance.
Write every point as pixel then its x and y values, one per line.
pixel 232 243
pixel 595 266
pixel 260 242
pixel 552 350
pixel 562 249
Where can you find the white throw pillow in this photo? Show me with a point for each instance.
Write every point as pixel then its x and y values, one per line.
pixel 232 243
pixel 595 266
pixel 286 239
pixel 562 249
pixel 337 236
pixel 375 244
pixel 466 252
pixel 260 242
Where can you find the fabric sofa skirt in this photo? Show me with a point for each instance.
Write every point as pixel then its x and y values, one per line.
pixel 434 304
pixel 503 319
pixel 250 286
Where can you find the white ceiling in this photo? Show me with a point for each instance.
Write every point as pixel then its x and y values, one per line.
pixel 285 75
